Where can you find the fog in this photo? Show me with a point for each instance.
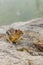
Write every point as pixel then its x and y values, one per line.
pixel 20 10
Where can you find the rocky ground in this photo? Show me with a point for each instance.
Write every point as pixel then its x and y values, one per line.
pixel 29 51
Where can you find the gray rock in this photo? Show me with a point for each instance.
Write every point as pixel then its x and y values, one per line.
pixel 25 53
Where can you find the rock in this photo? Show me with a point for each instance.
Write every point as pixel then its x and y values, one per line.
pixel 39 46
pixel 29 51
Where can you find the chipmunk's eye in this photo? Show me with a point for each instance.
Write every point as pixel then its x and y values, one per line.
pixel 15 31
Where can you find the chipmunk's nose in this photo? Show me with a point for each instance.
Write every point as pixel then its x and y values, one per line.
pixel 14 42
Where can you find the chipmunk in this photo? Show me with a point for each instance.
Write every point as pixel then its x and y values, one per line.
pixel 13 35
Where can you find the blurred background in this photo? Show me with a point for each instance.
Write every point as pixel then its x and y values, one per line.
pixel 20 10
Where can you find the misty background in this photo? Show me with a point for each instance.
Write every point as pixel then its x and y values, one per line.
pixel 20 10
